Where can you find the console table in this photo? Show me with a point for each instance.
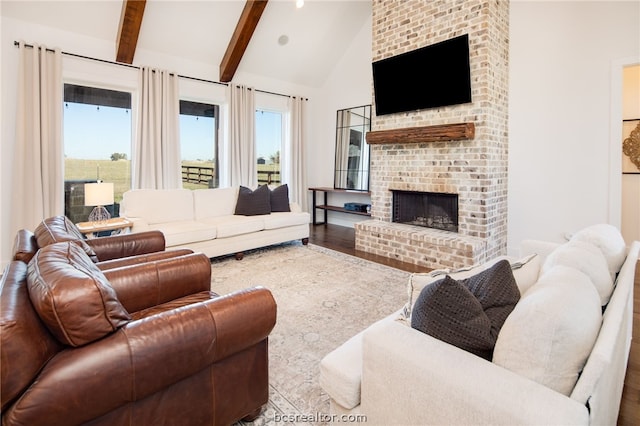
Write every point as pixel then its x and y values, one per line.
pixel 325 205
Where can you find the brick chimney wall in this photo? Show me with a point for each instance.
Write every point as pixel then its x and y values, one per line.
pixel 475 169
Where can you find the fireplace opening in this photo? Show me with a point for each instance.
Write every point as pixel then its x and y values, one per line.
pixel 429 209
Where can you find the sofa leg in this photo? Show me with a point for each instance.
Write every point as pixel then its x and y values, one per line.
pixel 252 415
pixel 239 255
pixel 305 241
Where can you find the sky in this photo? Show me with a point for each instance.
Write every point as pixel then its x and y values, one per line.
pixel 92 132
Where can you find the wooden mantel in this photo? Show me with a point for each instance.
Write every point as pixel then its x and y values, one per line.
pixel 438 133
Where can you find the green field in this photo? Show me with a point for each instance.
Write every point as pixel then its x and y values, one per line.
pixel 119 172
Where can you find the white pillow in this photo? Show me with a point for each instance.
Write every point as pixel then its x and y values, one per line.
pixel 586 258
pixel 609 240
pixel 525 271
pixel 549 335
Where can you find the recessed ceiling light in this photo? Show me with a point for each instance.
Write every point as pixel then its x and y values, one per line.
pixel 283 39
pixel 299 3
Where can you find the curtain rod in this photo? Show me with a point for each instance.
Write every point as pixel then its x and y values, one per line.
pixel 75 55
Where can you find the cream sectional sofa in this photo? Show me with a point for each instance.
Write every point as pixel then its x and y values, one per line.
pixel 203 220
pixel 560 358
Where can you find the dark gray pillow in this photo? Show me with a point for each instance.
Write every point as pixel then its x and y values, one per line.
pixel 497 291
pixel 253 203
pixel 468 313
pixel 280 199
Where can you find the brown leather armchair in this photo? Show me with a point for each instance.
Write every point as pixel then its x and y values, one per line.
pixel 140 345
pixel 107 252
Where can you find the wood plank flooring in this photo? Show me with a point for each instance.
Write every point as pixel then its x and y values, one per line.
pixel 342 239
pixel 630 405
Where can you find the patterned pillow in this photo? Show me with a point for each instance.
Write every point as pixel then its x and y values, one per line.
pixel 524 270
pixel 253 203
pixel 468 313
pixel 280 199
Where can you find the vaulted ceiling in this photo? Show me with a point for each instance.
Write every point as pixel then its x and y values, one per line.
pixel 268 38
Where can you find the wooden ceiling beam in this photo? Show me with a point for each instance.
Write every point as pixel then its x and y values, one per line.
pixel 240 39
pixel 129 29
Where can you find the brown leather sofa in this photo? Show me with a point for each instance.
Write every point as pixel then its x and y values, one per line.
pixel 141 345
pixel 107 252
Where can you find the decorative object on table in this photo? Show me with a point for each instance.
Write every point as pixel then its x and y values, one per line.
pixel 98 194
pixel 357 207
pixel 631 146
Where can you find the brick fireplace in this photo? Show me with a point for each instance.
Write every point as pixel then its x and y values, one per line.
pixel 461 149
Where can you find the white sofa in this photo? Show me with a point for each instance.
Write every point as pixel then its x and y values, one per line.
pixel 393 374
pixel 203 220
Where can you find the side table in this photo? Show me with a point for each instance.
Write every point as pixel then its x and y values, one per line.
pixel 116 225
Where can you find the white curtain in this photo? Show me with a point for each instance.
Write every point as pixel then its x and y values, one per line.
pixel 38 168
pixel 294 164
pixel 157 163
pixel 242 139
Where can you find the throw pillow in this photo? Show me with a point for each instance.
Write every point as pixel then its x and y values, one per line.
pixel 280 199
pixel 497 291
pixel 58 229
pixel 253 203
pixel 448 311
pixel 468 313
pixel 550 333
pixel 586 258
pixel 72 296
pixel 609 240
pixel 525 271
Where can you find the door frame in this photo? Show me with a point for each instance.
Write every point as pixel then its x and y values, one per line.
pixel 615 152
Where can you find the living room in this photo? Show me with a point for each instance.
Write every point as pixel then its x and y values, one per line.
pixel 565 65
pixel 551 193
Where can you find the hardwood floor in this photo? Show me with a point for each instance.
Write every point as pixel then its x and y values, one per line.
pixel 630 405
pixel 342 239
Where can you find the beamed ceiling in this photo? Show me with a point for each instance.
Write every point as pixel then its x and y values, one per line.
pixel 233 35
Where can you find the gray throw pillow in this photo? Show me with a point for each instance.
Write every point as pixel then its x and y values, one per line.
pixel 468 313
pixel 253 203
pixel 280 199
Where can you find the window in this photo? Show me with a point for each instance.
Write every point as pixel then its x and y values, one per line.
pixel 269 146
pixel 199 144
pixel 97 145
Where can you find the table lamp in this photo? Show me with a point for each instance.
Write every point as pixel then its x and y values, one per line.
pixel 98 195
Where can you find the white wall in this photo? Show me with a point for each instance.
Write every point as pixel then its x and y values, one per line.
pixel 349 85
pixel 559 113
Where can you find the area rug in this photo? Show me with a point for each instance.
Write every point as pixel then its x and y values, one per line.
pixel 324 297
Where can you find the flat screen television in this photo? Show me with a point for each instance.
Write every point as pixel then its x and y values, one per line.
pixel 429 77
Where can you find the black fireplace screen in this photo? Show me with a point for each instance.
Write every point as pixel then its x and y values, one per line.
pixel 429 209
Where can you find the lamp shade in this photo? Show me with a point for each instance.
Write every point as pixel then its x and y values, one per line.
pixel 98 194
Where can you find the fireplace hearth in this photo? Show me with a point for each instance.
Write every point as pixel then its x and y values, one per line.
pixel 429 209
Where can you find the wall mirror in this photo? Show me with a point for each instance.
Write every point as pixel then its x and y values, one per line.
pixel 352 151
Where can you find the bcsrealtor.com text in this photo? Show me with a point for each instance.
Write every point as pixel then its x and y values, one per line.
pixel 320 418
